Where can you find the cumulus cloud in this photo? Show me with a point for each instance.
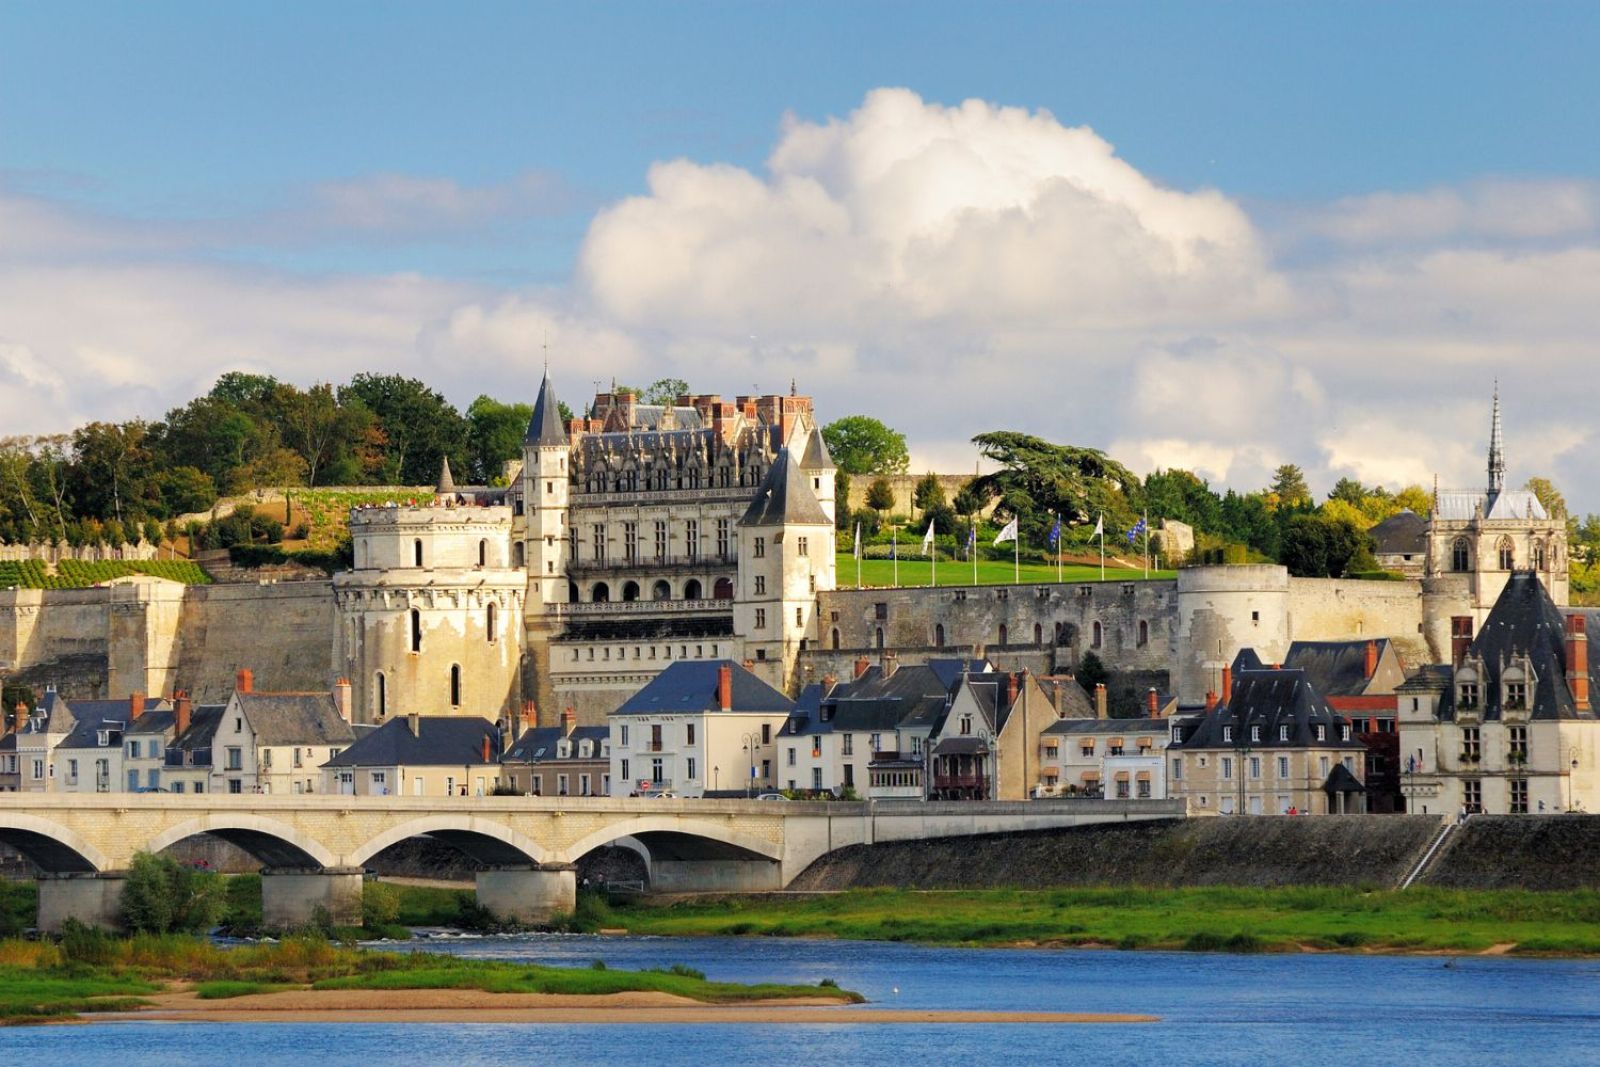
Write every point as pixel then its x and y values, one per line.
pixel 950 269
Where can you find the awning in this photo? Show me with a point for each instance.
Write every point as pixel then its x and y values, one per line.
pixel 1143 776
pixel 1145 742
pixel 1122 776
pixel 1091 776
pixel 1051 774
pixel 1114 742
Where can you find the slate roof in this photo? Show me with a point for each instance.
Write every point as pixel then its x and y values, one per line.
pixel 917 694
pixel 295 719
pixel 1525 621
pixel 1342 780
pixel 816 455
pixel 197 739
pixel 1402 534
pixel 1069 698
pixel 784 496
pixel 92 717
pixel 440 741
pixel 1461 505
pixel 447 484
pixel 545 427
pixel 539 744
pixel 1335 668
pixel 806 718
pixel 1269 699
pixel 158 721
pixel 691 686
pixel 1110 727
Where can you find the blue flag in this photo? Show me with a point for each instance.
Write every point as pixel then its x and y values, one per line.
pixel 1055 533
pixel 1138 528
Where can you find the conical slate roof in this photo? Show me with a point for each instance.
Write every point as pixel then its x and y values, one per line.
pixel 447 484
pixel 545 427
pixel 817 457
pixel 785 496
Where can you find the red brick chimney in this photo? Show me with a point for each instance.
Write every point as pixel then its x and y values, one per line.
pixel 1578 661
pixel 569 721
pixel 1011 689
pixel 828 683
pixel 1226 696
pixel 862 665
pixel 1154 702
pixel 341 698
pixel 486 748
pixel 1211 699
pixel 246 680
pixel 1100 711
pixel 182 712
pixel 1371 665
pixel 135 706
pixel 1460 638
pixel 530 715
pixel 725 687
pixel 19 717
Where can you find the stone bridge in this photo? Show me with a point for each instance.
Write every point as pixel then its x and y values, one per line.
pixel 313 848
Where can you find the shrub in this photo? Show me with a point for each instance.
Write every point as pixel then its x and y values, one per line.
pixel 162 895
pixel 380 905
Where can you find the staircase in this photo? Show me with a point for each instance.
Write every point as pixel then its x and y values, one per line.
pixel 1433 851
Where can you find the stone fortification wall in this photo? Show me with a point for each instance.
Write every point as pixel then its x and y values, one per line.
pixel 905 486
pixel 1331 609
pixel 1548 852
pixel 1352 850
pixel 1045 621
pixel 44 627
pixel 1219 611
pixel 283 633
pixel 95 553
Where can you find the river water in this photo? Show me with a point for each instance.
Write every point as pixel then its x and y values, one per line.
pixel 1215 1009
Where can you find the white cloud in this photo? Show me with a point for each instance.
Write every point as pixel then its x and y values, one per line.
pixel 1496 209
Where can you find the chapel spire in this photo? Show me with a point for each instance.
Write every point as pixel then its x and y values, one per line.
pixel 1497 457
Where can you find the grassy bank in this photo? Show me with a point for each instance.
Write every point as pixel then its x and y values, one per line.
pixel 89 971
pixel 1216 918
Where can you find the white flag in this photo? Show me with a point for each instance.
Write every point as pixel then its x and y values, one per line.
pixel 1008 534
pixel 1099 527
pixel 855 546
pixel 927 539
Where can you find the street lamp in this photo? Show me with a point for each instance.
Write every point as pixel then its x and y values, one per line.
pixel 750 747
pixel 1572 755
pixel 716 779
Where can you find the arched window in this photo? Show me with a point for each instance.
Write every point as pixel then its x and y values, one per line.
pixel 483 553
pixel 836 639
pixel 455 685
pixel 1097 635
pixel 517 556
pixel 416 552
pixel 1144 633
pixel 938 636
pixel 723 590
pixel 662 591
pixel 1004 635
pixel 1038 634
pixel 490 622
pixel 380 694
pixel 880 637
pixel 416 630
pixel 1507 553
pixel 1460 555
pixel 572 593
pixel 630 590
pixel 691 589
pixel 601 593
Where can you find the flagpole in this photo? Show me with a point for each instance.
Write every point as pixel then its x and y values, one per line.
pixel 1057 528
pixel 972 550
pixel 896 554
pixel 1102 525
pixel 1147 543
pixel 1016 557
pixel 933 559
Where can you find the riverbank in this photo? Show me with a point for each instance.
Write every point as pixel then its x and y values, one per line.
pixel 1203 919
pixel 90 972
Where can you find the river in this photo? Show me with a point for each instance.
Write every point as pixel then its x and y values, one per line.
pixel 1215 1009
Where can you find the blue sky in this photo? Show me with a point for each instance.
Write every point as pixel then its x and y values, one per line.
pixel 456 175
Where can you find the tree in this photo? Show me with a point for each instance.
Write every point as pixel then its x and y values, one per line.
pixel 1347 489
pixel 862 445
pixel 928 493
pixel 419 426
pixel 494 436
pixel 880 496
pixel 317 426
pixel 161 895
pixel 841 499
pixel 666 391
pixel 1554 503
pixel 1036 478
pixel 969 501
pixel 1416 499
pixel 1318 547
pixel 1289 486
pixel 1092 672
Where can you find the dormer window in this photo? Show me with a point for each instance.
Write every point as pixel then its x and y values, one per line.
pixel 1255 734
pixel 1283 732
pixel 1344 733
pixel 1516 698
pixel 1467 696
pixel 1322 732
pixel 1227 735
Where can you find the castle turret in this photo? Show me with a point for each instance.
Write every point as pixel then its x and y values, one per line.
pixel 1497 458
pixel 546 452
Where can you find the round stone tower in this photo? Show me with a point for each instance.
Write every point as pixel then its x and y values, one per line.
pixel 1220 611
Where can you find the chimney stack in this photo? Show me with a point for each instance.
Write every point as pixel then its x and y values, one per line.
pixel 569 718
pixel 530 715
pixel 1460 638
pixel 891 663
pixel 486 748
pixel 135 706
pixel 414 724
pixel 1011 688
pixel 182 712
pixel 1211 699
pixel 19 717
pixel 1100 711
pixel 1154 702
pixel 1578 661
pixel 829 681
pixel 1226 696
pixel 246 680
pixel 1371 665
pixel 725 687
pixel 862 665
pixel 341 698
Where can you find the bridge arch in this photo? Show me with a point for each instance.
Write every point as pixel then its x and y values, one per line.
pixel 667 837
pixel 274 843
pixel 491 843
pixel 52 847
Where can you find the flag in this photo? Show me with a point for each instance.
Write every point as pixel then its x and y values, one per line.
pixel 1055 533
pixel 1138 528
pixel 1100 527
pixel 1008 534
pixel 927 539
pixel 972 539
pixel 894 546
pixel 857 545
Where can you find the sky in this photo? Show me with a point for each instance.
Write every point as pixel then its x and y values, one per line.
pixel 1213 236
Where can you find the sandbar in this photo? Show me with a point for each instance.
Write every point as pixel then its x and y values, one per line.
pixel 473 1006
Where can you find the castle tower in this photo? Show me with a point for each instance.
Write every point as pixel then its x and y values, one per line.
pixel 546 451
pixel 786 554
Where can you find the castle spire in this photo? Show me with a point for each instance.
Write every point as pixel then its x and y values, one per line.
pixel 1497 457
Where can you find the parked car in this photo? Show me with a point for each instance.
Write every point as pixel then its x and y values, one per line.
pixel 772 796
pixel 665 794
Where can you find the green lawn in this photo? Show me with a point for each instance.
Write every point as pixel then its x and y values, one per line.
pixel 881 572
pixel 1213 918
